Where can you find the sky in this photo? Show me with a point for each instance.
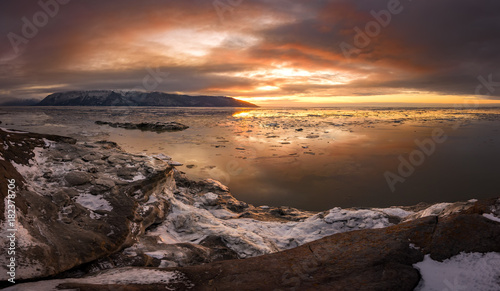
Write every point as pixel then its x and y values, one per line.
pixel 269 52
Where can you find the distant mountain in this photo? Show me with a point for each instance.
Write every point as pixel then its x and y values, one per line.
pixel 136 98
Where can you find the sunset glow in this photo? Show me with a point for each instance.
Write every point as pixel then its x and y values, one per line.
pixel 270 53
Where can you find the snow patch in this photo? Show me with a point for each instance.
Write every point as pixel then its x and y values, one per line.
pixel 491 217
pixel 465 271
pixel 435 209
pixel 93 202
pixel 413 246
pixel 394 211
pixel 27 171
pixel 138 177
pixel 48 143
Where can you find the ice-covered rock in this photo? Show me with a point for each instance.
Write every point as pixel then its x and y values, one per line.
pixel 68 213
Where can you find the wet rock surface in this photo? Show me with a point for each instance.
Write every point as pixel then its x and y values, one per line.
pixel 88 210
pixel 71 210
pixel 145 126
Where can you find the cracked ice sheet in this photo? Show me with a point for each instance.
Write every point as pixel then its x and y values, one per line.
pixel 250 237
pixel 465 271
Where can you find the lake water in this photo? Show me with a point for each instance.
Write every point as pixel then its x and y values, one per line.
pixel 312 159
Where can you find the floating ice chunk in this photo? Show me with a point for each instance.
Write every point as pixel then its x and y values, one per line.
pixel 162 157
pixel 174 163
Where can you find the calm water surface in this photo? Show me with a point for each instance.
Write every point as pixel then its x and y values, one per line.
pixel 312 159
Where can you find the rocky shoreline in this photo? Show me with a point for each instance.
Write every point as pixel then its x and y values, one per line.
pixel 90 216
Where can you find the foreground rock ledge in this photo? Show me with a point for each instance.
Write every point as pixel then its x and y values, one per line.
pixel 101 219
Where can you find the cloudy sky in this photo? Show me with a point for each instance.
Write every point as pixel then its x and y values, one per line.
pixel 270 52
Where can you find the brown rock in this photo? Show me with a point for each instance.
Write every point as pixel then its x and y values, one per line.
pixel 77 178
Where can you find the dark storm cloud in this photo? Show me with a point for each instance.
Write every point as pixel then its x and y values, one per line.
pixel 442 46
pixel 446 47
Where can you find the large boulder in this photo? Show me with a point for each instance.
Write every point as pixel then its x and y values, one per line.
pixel 70 211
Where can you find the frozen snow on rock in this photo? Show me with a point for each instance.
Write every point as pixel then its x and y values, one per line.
pixel 248 237
pixel 438 209
pixel 466 271
pixel 113 276
pixel 209 199
pixel 28 171
pixel 138 177
pixel 491 217
pixel 394 211
pixel 435 209
pixel 24 170
pixel 93 202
